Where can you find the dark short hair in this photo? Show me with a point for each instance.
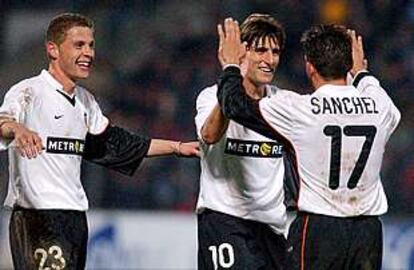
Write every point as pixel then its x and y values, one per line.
pixel 62 23
pixel 259 26
pixel 329 49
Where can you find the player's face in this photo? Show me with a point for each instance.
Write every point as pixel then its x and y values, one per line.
pixel 76 53
pixel 262 61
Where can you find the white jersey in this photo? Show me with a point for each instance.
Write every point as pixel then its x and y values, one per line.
pixel 242 174
pixel 52 179
pixel 338 134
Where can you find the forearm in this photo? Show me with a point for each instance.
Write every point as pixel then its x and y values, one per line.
pixel 214 126
pixel 160 147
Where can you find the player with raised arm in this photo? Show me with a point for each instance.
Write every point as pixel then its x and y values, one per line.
pixel 240 210
pixel 337 135
pixel 49 124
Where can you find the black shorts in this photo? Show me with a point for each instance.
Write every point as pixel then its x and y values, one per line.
pixel 227 242
pixel 56 239
pixel 323 242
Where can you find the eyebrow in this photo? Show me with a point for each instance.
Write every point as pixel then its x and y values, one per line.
pixel 263 48
pixel 83 42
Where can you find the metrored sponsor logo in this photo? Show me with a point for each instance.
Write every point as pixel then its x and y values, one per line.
pixel 262 149
pixel 67 146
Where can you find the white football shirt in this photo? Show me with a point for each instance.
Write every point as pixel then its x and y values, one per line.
pixel 242 174
pixel 338 134
pixel 52 180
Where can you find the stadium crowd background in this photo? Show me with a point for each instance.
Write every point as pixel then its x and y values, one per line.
pixel 154 56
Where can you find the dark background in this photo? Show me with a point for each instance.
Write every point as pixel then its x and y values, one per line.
pixel 153 57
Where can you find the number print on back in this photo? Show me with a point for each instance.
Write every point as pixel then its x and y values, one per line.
pixel 335 132
pixel 53 257
pixel 222 256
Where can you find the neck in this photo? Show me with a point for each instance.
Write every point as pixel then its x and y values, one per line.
pixel 254 91
pixel 62 78
pixel 319 82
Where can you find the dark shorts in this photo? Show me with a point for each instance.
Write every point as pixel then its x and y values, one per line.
pixel 227 242
pixel 56 239
pixel 322 242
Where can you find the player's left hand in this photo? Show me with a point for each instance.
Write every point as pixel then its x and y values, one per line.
pixel 231 50
pixel 358 56
pixel 189 149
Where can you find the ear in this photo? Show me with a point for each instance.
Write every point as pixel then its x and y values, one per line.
pixel 52 50
pixel 310 69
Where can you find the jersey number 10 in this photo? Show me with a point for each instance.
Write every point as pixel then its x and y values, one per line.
pixel 335 132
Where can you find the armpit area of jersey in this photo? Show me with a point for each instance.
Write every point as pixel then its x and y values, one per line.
pixel 117 149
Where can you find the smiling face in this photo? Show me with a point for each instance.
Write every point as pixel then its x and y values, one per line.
pixel 261 61
pixel 73 58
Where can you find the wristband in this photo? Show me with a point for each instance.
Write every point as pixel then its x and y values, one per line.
pixel 177 151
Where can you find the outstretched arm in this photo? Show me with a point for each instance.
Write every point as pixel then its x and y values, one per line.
pixel 159 147
pixel 123 151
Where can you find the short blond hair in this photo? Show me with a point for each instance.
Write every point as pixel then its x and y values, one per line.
pixel 59 25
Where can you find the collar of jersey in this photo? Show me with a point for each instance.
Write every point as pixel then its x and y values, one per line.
pixel 49 78
pixel 336 90
pixel 268 91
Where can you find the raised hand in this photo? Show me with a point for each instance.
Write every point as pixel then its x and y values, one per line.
pixel 358 56
pixel 231 50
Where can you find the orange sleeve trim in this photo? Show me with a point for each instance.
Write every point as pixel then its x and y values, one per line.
pixel 304 232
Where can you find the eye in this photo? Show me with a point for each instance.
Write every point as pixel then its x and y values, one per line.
pixel 260 50
pixel 276 51
pixel 79 45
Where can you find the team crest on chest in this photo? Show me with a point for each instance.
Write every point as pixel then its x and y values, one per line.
pixel 25 97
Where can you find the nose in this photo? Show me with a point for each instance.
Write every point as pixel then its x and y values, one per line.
pixel 270 58
pixel 89 51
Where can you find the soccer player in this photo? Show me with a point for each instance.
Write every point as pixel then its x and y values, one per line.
pixel 50 113
pixel 241 211
pixel 337 135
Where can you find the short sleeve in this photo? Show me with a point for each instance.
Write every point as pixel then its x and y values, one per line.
pixel 16 102
pixel 368 85
pixel 205 103
pixel 392 118
pixel 97 122
pixel 277 111
pixel 117 149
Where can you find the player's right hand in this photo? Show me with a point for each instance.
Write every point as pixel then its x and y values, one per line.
pixel 189 149
pixel 27 142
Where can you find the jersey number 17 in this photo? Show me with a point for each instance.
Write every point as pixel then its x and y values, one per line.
pixel 335 132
